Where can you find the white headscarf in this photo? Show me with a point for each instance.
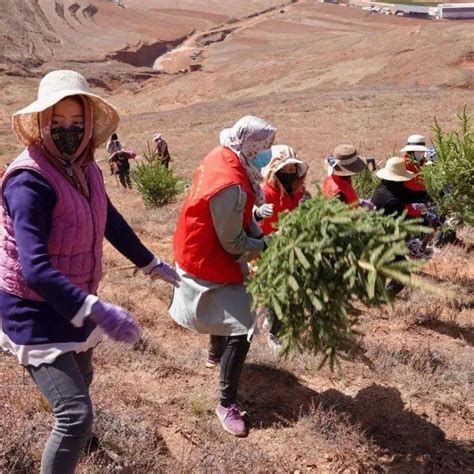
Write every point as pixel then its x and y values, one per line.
pixel 246 138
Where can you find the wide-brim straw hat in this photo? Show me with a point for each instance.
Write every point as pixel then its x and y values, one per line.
pixel 394 170
pixel 346 161
pixel 53 88
pixel 287 156
pixel 415 143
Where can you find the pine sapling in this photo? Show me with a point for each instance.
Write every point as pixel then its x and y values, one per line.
pixel 325 258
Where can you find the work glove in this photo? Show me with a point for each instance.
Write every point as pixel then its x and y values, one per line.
pixel 264 211
pixel 116 322
pixel 162 271
pixel 367 204
pixel 419 206
pixel 433 220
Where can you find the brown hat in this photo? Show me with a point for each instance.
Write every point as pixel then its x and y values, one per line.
pixel 345 161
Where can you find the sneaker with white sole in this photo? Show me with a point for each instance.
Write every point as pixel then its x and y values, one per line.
pixel 212 362
pixel 231 420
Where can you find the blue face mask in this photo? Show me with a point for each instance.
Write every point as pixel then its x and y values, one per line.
pixel 262 159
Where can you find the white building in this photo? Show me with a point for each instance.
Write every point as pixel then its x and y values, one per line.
pixel 410 10
pixel 458 11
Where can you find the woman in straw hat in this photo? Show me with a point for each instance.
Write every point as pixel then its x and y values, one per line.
pixel 392 196
pixel 215 237
pixel 55 215
pixel 415 156
pixel 283 185
pixel 341 166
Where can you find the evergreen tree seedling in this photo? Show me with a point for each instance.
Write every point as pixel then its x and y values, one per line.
pixel 326 257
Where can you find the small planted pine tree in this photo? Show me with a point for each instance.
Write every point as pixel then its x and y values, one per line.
pixel 157 184
pixel 450 179
pixel 325 257
pixel 365 183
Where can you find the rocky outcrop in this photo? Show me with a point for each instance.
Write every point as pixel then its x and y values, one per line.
pixel 37 31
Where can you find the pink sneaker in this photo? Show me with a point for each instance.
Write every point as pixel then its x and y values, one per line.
pixel 212 362
pixel 231 420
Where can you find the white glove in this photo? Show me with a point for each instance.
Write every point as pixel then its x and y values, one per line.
pixel 264 211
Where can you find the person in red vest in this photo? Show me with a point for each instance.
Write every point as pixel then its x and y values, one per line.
pixel 283 186
pixel 215 237
pixel 342 165
pixel 415 156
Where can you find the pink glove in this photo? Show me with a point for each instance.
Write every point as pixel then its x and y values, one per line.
pixel 164 272
pixel 116 322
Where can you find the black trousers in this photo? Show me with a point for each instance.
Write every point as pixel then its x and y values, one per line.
pixel 232 351
pixel 125 180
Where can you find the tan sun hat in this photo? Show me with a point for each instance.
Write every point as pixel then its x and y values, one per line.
pixel 415 143
pixel 394 170
pixel 283 155
pixel 344 161
pixel 54 87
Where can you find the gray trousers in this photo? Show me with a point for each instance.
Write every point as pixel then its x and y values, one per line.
pixel 65 384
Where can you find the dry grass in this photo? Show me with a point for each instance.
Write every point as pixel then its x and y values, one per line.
pixel 402 404
pixel 345 444
pixel 127 444
pixel 404 400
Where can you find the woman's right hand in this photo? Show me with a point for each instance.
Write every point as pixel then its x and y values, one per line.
pixel 116 322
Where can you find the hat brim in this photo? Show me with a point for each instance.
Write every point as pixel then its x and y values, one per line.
pixel 414 148
pixel 389 175
pixel 355 167
pixel 302 167
pixel 105 117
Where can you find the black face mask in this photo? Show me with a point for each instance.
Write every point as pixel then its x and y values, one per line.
pixel 286 180
pixel 67 140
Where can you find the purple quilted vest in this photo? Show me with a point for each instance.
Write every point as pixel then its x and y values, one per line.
pixel 77 231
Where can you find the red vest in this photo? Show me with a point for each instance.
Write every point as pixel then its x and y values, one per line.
pixel 416 183
pixel 196 245
pixel 334 185
pixel 281 201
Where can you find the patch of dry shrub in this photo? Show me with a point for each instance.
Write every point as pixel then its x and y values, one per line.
pixel 425 372
pixel 344 443
pixel 215 451
pixel 126 444
pixel 24 430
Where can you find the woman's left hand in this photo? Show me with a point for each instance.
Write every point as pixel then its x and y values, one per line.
pixel 164 272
